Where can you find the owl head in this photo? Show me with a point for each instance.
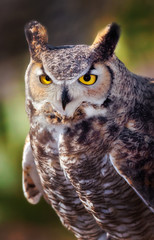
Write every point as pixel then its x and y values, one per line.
pixel 65 77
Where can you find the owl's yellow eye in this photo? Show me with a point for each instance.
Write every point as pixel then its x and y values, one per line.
pixel 44 79
pixel 88 79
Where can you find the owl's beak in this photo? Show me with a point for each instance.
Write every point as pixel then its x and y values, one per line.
pixel 65 98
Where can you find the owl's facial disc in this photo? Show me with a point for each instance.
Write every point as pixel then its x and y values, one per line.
pixel 66 97
pixel 63 76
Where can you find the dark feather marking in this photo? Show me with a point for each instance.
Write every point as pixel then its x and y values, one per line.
pixel 31 185
pixel 102 120
pixel 85 126
pixel 113 129
pixel 108 101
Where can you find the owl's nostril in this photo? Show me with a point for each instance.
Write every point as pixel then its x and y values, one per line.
pixel 65 98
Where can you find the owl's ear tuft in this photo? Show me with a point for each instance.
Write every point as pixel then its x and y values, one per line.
pixel 37 38
pixel 106 41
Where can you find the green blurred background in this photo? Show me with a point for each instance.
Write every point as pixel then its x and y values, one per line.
pixel 68 22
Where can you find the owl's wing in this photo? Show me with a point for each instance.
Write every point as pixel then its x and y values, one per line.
pixel 32 187
pixel 133 158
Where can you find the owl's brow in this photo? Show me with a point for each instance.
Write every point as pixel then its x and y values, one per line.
pixel 59 47
pixel 90 69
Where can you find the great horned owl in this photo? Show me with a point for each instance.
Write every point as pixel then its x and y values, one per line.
pixel 90 148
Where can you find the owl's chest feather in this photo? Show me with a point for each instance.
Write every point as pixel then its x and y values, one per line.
pixel 80 145
pixel 80 154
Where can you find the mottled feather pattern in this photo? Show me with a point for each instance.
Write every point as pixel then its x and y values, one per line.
pixel 91 146
pixel 57 187
pixel 100 194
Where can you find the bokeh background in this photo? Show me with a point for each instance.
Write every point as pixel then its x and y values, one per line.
pixel 68 22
